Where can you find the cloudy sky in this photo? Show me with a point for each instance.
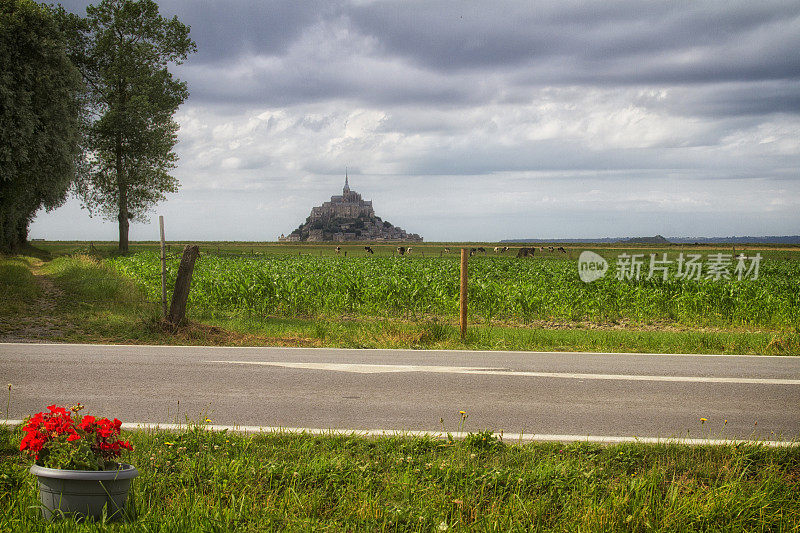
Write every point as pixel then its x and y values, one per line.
pixel 480 120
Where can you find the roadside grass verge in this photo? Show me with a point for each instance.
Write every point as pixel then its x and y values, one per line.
pixel 18 286
pixel 430 334
pixel 95 303
pixel 101 305
pixel 93 283
pixel 198 480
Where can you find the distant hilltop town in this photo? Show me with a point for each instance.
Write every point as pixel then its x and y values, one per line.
pixel 347 218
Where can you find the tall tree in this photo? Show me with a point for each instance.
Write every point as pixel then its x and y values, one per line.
pixel 123 48
pixel 40 106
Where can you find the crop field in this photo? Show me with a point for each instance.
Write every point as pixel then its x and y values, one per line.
pixel 501 287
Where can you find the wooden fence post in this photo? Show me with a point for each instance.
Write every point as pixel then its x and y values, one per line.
pixel 163 269
pixel 177 311
pixel 463 299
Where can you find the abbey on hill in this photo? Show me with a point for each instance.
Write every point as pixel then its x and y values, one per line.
pixel 347 218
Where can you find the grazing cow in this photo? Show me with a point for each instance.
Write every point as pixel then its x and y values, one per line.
pixel 401 250
pixel 338 249
pixel 447 250
pixel 497 249
pixel 369 249
pixel 408 251
pixel 551 249
pixel 561 249
pixel 482 250
pixel 526 252
pixel 472 251
pixel 541 248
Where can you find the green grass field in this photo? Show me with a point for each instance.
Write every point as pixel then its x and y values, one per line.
pixel 435 249
pixel 197 480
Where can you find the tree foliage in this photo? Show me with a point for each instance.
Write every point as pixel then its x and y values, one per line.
pixel 40 111
pixel 124 48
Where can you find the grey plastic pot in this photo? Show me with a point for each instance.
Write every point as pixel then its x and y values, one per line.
pixel 84 493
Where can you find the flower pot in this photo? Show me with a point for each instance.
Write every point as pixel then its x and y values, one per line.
pixel 84 493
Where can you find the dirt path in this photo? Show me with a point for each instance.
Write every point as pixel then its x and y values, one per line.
pixel 40 323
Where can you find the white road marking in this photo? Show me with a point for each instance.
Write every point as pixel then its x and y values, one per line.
pixel 359 368
pixel 510 438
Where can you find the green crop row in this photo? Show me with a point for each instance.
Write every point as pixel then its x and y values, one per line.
pixel 499 288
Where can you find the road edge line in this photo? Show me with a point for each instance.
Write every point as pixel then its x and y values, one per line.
pixel 509 438
pixel 510 352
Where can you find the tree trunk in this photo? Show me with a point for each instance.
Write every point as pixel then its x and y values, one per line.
pixel 124 223
pixel 22 235
pixel 123 228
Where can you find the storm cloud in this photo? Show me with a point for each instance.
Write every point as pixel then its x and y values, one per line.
pixel 546 115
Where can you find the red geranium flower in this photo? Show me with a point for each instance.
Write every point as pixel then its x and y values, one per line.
pixel 55 428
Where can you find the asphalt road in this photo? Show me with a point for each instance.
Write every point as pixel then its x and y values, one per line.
pixel 580 394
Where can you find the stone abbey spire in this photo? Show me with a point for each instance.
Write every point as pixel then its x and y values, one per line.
pixel 346 188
